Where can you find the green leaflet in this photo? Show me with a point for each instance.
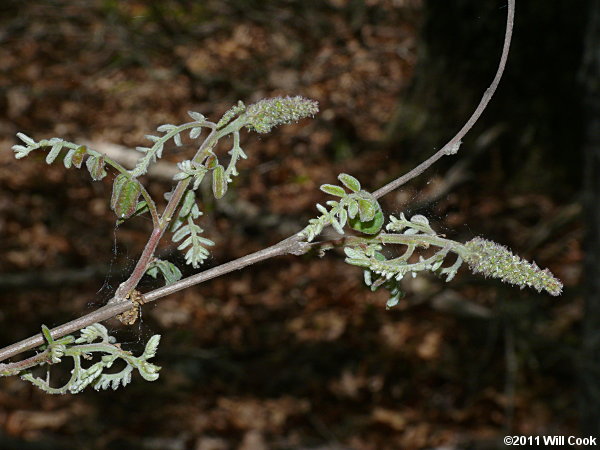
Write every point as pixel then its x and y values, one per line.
pixel 366 209
pixel 95 166
pixel 84 348
pixel 332 189
pixel 187 205
pixel 125 195
pixel 372 226
pixel 352 208
pixel 416 224
pixel 211 162
pixel 219 183
pixel 47 335
pixel 349 181
pixel 191 169
pixel 369 219
pixel 195 244
pixel 117 185
pixel 185 229
pixel 77 158
pixel 57 145
pixel 188 208
pixel 140 208
pixel 375 281
pixel 167 269
pixel 359 208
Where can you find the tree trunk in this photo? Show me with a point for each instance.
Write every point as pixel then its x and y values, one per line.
pixel 590 369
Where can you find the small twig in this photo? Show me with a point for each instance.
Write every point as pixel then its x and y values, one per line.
pixel 17 367
pixel 452 145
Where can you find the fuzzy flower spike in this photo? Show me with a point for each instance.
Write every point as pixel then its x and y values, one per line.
pixel 262 116
pixel 496 261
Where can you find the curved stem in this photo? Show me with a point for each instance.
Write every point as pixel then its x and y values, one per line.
pixel 452 145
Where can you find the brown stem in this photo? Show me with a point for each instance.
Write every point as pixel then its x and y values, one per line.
pixel 17 367
pixel 291 245
pixel 182 186
pixel 140 267
pixel 452 144
pixel 157 233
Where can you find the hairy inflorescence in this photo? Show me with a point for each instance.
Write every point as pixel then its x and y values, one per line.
pixel 266 114
pixel 497 261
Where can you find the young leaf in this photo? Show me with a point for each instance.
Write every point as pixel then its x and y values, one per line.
pixel 47 335
pixel 188 208
pixel 352 208
pixel 30 142
pixel 392 301
pixel 22 151
pixel 141 208
pixel 367 208
pixel 167 269
pixel 68 159
pixel 166 128
pixel 95 166
pixel 196 116
pixel 125 195
pixel 177 140
pixel 196 253
pixel 332 189
pixel 336 225
pixel 195 132
pixel 349 181
pixel 342 217
pixel 117 185
pixel 219 183
pixel 151 347
pixel 77 158
pixel 189 201
pixel 420 220
pixel 211 162
pixel 191 169
pixel 370 227
pixel 54 151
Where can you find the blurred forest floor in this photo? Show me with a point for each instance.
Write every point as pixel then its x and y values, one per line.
pixel 294 352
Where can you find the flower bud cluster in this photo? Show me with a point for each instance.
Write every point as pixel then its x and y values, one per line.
pixel 496 261
pixel 266 114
